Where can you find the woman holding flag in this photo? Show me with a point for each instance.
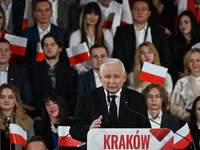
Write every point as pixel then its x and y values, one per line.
pixel 11 111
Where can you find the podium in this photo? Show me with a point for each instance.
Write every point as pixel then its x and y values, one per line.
pixel 125 139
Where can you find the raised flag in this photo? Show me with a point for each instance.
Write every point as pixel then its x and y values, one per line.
pixel 18 44
pixel 39 53
pixel 109 21
pixel 126 13
pixel 153 73
pixel 180 142
pixel 28 16
pixel 78 54
pixel 17 135
pixel 28 108
pixel 67 141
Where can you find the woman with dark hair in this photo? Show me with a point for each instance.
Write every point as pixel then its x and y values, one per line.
pixel 91 32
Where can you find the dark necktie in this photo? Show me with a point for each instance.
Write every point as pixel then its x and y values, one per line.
pixel 113 111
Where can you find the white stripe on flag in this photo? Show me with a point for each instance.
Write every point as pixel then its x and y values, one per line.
pixel 182 6
pixel 76 50
pixel 16 40
pixel 154 69
pixel 182 131
pixel 15 129
pixel 39 47
pixel 63 130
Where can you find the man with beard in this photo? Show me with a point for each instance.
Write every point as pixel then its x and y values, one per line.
pixel 52 75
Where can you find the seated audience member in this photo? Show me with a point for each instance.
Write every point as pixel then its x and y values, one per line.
pixel 90 80
pixel 11 111
pixel 36 143
pixel 157 101
pixel 146 52
pixel 2 23
pixel 42 12
pixel 92 33
pixel 187 36
pixel 94 109
pixel 187 88
pixel 54 115
pixel 129 37
pixel 53 75
pixel 14 74
pixel 14 13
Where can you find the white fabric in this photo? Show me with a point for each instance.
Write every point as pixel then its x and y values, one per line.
pixel 43 33
pixel 54 17
pixel 4 76
pixel 158 119
pixel 97 81
pixel 7 10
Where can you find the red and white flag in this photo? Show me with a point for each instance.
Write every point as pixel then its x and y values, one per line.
pixel 17 135
pixel 18 44
pixel 153 73
pixel 109 21
pixel 39 53
pixel 67 141
pixel 28 15
pixel 78 54
pixel 126 13
pixel 28 108
pixel 180 142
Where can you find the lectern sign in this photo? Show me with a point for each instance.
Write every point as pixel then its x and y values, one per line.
pixel 124 139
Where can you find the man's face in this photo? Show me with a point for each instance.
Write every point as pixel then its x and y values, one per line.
pixel 37 145
pixel 5 53
pixel 98 55
pixel 105 3
pixel 140 12
pixel 197 2
pixel 51 49
pixel 43 12
pixel 112 78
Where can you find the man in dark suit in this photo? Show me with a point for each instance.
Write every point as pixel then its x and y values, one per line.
pixel 52 75
pixel 128 37
pixel 90 80
pixel 42 12
pixel 13 74
pixel 157 102
pixel 109 104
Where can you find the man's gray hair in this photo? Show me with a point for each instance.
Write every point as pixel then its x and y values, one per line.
pixel 112 61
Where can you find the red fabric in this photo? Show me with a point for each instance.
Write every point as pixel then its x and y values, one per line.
pixel 17 139
pixel 144 76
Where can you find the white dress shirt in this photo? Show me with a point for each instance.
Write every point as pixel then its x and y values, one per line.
pixel 96 78
pixel 54 17
pixel 7 10
pixel 4 76
pixel 42 33
pixel 158 119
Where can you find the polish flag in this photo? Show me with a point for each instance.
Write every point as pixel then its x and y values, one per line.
pixel 126 13
pixel 39 53
pixel 28 15
pixel 67 141
pixel 28 108
pixel 180 142
pixel 78 54
pixel 18 44
pixel 153 73
pixel 17 135
pixel 109 21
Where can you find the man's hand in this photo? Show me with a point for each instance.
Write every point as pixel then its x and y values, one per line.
pixel 96 123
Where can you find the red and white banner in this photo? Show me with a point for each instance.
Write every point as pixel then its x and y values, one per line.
pixel 109 21
pixel 17 135
pixel 18 44
pixel 180 142
pixel 28 108
pixel 78 54
pixel 28 15
pixel 67 141
pixel 153 73
pixel 126 13
pixel 39 53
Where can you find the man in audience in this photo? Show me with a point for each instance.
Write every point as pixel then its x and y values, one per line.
pixel 128 37
pixel 90 80
pixel 14 13
pixel 157 101
pixel 52 75
pixel 36 143
pixel 42 12
pixel 107 106
pixel 13 74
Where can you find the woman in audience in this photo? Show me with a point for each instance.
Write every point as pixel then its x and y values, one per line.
pixel 11 111
pixel 91 32
pixel 146 52
pixel 187 36
pixel 187 88
pixel 2 23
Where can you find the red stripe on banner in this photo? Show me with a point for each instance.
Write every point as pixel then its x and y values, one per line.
pixel 24 24
pixel 107 24
pixel 168 145
pixel 39 56
pixel 17 139
pixel 123 23
pixel 69 142
pixel 151 78
pixel 79 58
pixel 18 50
pixel 183 143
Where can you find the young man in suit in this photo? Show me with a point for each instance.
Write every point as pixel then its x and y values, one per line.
pixel 106 107
pixel 90 80
pixel 36 143
pixel 128 37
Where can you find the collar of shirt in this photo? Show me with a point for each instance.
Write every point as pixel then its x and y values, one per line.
pixel 90 43
pixel 7 7
pixel 43 32
pixel 97 80
pixel 95 74
pixel 56 65
pixel 195 78
pixel 157 118
pixel 5 70
pixel 142 30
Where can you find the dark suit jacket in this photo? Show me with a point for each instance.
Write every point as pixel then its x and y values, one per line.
pixel 66 81
pixel 18 76
pixel 86 83
pixel 93 104
pixel 125 46
pixel 33 38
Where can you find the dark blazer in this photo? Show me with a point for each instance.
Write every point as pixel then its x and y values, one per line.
pixel 18 76
pixel 125 46
pixel 33 38
pixel 93 104
pixel 86 83
pixel 66 81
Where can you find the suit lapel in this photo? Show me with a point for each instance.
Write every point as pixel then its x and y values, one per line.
pixel 60 77
pixel 36 36
pixel 11 73
pixel 131 34
pixel 91 80
pixel 165 121
pixel 154 34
